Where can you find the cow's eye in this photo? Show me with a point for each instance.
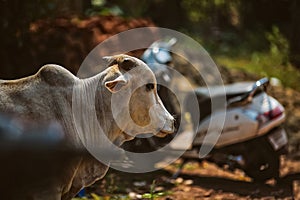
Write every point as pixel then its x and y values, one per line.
pixel 149 86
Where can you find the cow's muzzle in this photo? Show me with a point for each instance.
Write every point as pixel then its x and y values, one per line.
pixel 167 129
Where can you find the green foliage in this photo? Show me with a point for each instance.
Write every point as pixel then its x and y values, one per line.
pixel 275 62
pixel 95 196
pixel 263 54
pixel 277 56
pixel 242 31
pixel 80 198
pixel 111 186
pixel 100 7
pixel 263 64
pixel 197 8
pixel 98 197
pixel 206 11
pixel 153 194
pixel 279 46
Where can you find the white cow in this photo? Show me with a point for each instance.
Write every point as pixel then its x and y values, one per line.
pixel 49 95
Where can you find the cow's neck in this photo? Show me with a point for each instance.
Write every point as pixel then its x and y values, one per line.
pixel 94 124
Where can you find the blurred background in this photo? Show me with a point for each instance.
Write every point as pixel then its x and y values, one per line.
pixel 256 36
pixel 247 39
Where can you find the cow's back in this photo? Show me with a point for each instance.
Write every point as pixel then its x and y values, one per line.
pixel 36 97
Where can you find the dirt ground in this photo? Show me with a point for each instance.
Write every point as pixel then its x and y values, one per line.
pixel 199 181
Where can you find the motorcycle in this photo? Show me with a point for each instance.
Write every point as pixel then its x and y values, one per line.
pixel 252 138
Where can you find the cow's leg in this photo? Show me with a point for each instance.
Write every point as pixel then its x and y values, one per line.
pixel 71 193
pixel 89 171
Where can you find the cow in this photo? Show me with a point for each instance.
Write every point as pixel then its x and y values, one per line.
pixel 54 94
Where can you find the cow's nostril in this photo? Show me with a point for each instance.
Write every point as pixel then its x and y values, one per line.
pixel 149 87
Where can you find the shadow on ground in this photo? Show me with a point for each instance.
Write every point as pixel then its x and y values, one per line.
pixel 194 184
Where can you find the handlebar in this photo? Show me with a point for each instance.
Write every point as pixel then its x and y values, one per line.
pixel 258 85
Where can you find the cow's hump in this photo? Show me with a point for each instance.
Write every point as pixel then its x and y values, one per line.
pixel 56 75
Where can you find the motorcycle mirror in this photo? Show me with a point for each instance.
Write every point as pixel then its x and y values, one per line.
pixel 261 82
pixel 163 56
pixel 172 42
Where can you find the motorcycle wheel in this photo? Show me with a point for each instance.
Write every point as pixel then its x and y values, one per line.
pixel 264 164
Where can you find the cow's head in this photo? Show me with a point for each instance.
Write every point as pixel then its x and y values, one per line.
pixel 134 102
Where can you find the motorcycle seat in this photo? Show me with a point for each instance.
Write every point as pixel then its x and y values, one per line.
pixel 215 94
pixel 231 90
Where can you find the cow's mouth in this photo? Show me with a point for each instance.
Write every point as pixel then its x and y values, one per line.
pixel 163 133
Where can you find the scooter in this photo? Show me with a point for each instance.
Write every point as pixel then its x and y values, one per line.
pixel 252 137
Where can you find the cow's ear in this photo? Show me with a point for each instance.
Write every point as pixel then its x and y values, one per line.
pixel 108 59
pixel 117 84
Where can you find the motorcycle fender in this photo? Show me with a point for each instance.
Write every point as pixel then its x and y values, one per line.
pixel 225 128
